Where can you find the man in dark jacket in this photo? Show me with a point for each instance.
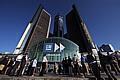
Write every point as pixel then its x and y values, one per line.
pixel 105 63
pixel 94 67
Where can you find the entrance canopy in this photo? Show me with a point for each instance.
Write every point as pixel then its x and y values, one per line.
pixel 55 49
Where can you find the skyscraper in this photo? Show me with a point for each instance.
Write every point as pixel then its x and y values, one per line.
pixel 77 31
pixel 58 26
pixel 37 30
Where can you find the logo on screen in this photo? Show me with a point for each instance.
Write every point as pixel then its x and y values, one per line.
pixel 48 47
pixel 53 47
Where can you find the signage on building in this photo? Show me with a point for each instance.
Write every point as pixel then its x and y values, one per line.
pixel 48 47
pixel 53 47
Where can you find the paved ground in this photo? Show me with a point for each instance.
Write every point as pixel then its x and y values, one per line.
pixel 4 77
pixel 52 77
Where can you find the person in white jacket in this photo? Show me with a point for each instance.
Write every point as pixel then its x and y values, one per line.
pixel 34 65
pixel 44 66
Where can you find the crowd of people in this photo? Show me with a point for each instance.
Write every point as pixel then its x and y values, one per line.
pixel 16 66
pixel 71 66
pixel 86 65
pixel 89 65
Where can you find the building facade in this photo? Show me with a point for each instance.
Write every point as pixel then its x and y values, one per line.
pixel 55 49
pixel 37 30
pixel 77 31
pixel 107 48
pixel 37 42
pixel 58 26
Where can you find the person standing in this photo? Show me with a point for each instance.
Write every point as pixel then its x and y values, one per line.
pixel 22 65
pixel 44 66
pixel 10 66
pixel 5 62
pixel 70 66
pixel 74 64
pixel 59 68
pixel 63 65
pixel 66 66
pixel 29 68
pixel 16 65
pixel 34 65
pixel 104 61
pixel 117 55
pixel 94 67
pixel 85 68
pixel 55 68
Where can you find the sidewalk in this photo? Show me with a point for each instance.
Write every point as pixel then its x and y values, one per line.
pixel 52 77
pixel 5 77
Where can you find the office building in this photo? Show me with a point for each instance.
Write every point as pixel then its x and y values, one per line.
pixel 77 31
pixel 37 30
pixel 58 26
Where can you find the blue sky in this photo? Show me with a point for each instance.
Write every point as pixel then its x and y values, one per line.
pixel 102 18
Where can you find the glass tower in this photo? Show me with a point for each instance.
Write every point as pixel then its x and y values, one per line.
pixel 58 26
